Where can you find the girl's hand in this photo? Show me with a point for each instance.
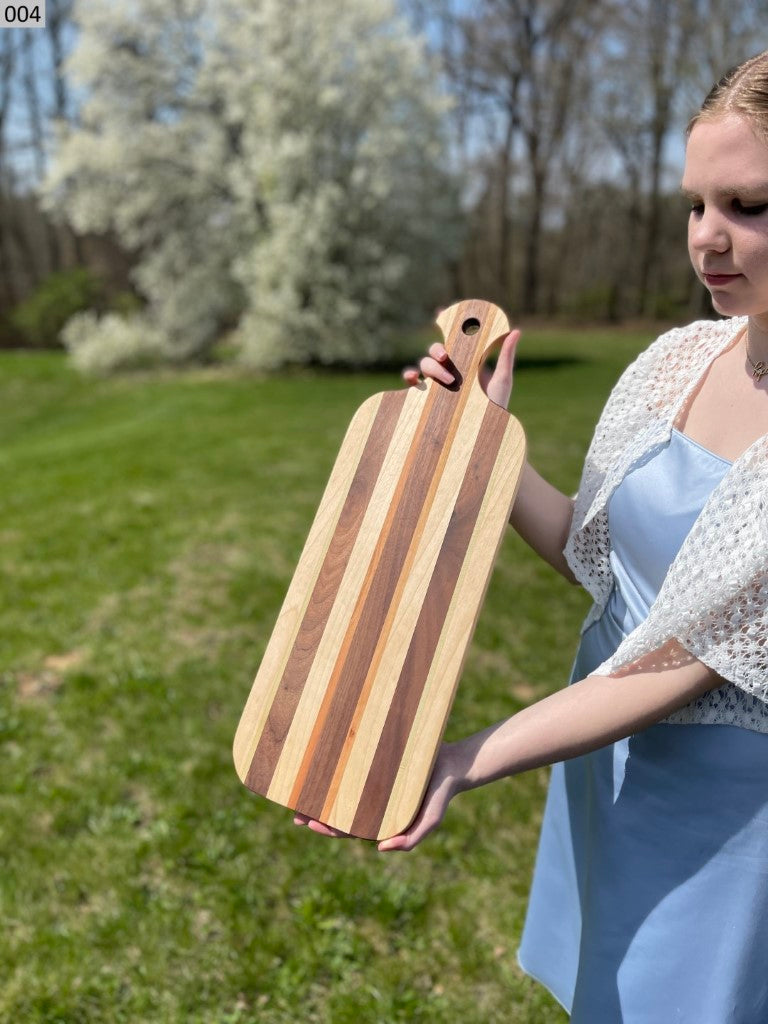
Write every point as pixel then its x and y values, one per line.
pixel 498 385
pixel 445 783
pixel 447 780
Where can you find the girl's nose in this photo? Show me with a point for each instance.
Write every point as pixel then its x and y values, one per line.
pixel 708 231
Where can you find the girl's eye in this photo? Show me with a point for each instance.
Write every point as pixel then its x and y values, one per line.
pixel 749 211
pixel 697 209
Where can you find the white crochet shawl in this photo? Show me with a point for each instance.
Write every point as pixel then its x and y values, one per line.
pixel 714 599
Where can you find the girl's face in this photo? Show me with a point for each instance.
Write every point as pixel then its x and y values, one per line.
pixel 726 181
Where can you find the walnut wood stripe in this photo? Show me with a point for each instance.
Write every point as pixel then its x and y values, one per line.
pixel 458 627
pixel 372 617
pixel 326 653
pixel 370 714
pixel 375 796
pixel 301 587
pixel 364 634
pixel 323 594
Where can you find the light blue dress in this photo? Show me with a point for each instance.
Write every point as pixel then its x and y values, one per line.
pixel 649 902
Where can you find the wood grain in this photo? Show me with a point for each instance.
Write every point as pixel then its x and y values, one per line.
pixel 350 702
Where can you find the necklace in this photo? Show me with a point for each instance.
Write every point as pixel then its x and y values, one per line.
pixel 759 368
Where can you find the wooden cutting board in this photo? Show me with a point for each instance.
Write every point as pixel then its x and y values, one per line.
pixel 350 702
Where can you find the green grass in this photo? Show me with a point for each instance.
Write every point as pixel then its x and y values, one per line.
pixel 148 529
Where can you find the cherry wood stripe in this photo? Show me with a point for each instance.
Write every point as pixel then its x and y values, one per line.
pixel 316 774
pixel 301 587
pixel 378 691
pixel 324 593
pixel 311 701
pixel 351 680
pixel 408 693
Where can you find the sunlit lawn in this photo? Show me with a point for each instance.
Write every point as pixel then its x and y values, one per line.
pixel 149 526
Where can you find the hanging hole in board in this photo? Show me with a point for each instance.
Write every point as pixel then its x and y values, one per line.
pixel 471 326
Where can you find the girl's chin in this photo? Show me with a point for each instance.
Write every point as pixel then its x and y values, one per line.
pixel 729 306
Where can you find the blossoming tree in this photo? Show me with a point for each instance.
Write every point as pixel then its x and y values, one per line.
pixel 277 170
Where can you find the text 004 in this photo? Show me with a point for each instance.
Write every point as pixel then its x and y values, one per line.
pixel 22 15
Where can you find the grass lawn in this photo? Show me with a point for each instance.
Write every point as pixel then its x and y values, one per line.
pixel 148 528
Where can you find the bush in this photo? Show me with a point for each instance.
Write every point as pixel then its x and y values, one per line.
pixel 100 345
pixel 40 318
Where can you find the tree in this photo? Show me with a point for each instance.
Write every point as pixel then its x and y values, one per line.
pixel 282 174
pixel 30 88
pixel 521 71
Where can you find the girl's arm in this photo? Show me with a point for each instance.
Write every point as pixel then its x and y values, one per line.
pixel 541 514
pixel 576 720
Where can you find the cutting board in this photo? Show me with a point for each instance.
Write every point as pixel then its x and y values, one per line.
pixel 350 702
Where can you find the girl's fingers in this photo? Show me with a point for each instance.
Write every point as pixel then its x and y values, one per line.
pixel 429 367
pixel 499 387
pixel 318 826
pixel 326 830
pixel 435 368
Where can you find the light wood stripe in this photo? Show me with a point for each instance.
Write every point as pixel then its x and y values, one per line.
pixel 371 715
pixel 369 620
pixel 302 587
pixel 326 587
pixel 311 699
pixel 393 742
pixel 400 537
pixel 459 623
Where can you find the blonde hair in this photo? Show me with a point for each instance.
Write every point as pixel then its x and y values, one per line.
pixel 743 91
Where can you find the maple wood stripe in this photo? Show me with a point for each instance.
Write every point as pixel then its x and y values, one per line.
pixel 300 589
pixel 368 629
pixel 350 684
pixel 326 654
pixel 409 690
pixel 354 660
pixel 323 595
pixel 370 714
pixel 467 351
pixel 433 710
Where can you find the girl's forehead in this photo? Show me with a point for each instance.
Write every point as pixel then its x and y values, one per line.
pixel 725 155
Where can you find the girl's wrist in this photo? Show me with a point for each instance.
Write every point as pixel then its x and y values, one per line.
pixel 459 758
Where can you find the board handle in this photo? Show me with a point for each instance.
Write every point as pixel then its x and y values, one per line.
pixel 471 328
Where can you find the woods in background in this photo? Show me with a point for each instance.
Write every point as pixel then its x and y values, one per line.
pixel 305 178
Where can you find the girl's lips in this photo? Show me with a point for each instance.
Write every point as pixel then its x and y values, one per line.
pixel 717 280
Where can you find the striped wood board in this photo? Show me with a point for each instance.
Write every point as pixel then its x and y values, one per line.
pixel 351 699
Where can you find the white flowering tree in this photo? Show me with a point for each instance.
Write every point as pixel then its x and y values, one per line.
pixel 278 167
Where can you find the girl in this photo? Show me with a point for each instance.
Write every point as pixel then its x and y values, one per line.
pixel 649 901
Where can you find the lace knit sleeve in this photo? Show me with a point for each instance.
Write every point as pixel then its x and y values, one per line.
pixel 714 599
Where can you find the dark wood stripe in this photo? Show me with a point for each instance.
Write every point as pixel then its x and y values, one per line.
pixel 324 593
pixel 364 635
pixel 466 350
pixel 410 685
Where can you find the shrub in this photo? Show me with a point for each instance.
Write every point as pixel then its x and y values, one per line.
pixel 100 345
pixel 42 315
